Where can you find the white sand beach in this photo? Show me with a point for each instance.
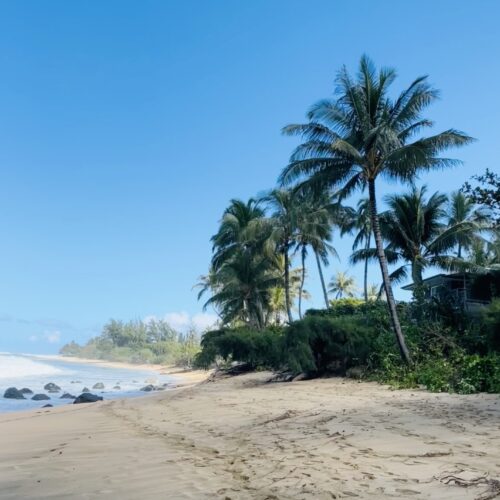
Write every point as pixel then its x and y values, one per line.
pixel 243 438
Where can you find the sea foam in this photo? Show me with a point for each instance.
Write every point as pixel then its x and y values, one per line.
pixel 12 366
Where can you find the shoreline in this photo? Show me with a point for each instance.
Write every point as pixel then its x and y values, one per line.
pixel 184 376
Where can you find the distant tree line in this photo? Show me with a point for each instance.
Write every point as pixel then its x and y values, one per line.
pixel 153 341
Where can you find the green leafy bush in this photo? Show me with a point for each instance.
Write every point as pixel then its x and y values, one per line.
pixel 320 343
pixel 259 349
pixel 491 320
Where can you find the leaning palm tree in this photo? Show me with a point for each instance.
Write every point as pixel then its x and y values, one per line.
pixel 363 134
pixel 473 220
pixel 343 285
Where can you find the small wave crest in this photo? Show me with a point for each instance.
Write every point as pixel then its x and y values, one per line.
pixel 18 367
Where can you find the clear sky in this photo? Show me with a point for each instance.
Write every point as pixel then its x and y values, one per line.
pixel 126 127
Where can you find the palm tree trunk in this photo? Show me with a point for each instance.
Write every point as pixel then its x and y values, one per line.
pixel 365 281
pixel 260 315
pixel 287 286
pixel 405 354
pixel 322 279
pixel 302 279
pixel 416 274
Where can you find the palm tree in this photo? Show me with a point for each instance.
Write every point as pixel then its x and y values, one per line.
pixel 373 292
pixel 463 212
pixel 363 134
pixel 244 286
pixel 484 255
pixel 315 221
pixel 416 234
pixel 414 229
pixel 209 283
pixel 276 307
pixel 343 284
pixel 239 229
pixel 285 207
pixel 361 221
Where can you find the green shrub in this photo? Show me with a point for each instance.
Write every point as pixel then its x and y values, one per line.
pixel 320 343
pixel 259 349
pixel 460 372
pixel 491 321
pixel 349 307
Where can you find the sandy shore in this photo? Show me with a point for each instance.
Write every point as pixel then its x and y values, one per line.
pixel 242 438
pixel 183 377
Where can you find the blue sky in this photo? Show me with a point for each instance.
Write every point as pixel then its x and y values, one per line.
pixel 126 127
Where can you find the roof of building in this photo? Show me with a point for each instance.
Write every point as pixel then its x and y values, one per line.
pixel 441 276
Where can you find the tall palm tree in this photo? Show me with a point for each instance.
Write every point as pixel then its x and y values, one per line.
pixel 276 307
pixel 285 208
pixel 315 221
pixel 361 221
pixel 463 212
pixel 363 134
pixel 343 284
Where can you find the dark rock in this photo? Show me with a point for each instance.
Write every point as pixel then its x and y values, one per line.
pixel 48 406
pixel 13 393
pixel 148 388
pixel 85 389
pixel 117 387
pixel 87 397
pixel 67 395
pixel 40 397
pixel 99 385
pixel 76 381
pixel 25 390
pixel 51 387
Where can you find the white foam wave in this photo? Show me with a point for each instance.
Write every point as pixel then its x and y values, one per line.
pixel 19 367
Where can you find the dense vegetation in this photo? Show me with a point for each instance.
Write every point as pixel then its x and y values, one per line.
pixel 349 143
pixel 450 352
pixel 153 341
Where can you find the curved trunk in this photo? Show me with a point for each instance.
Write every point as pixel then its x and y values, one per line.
pixel 365 282
pixel 302 279
pixel 322 279
pixel 287 286
pixel 405 354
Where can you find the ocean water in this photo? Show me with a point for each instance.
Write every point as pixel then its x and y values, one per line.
pixel 34 372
